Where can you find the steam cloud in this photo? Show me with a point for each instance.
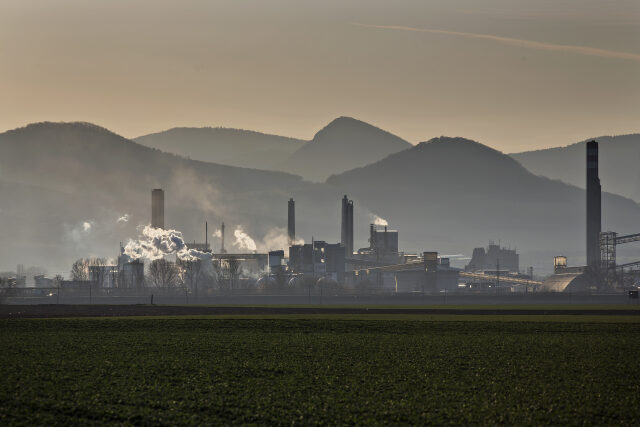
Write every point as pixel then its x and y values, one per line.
pixel 243 240
pixel 276 238
pixel 155 243
pixel 379 220
pixel 80 232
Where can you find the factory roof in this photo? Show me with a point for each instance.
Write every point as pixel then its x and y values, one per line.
pixel 570 281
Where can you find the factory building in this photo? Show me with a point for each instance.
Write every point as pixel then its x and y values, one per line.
pixel 318 258
pixel 104 276
pixel 276 262
pixel 381 242
pixel 569 279
pixel 251 264
pixel 425 274
pixel 494 258
pixel 157 208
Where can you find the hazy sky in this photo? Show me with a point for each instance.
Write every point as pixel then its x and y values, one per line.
pixel 511 74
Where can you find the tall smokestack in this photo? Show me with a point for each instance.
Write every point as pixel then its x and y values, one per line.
pixel 594 207
pixel 157 208
pixel 291 222
pixel 222 249
pixel 347 226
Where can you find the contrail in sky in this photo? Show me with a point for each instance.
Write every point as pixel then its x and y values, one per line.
pixel 530 44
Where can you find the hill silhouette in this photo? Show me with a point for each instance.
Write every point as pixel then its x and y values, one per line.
pixel 234 147
pixel 454 193
pixel 63 175
pixel 619 159
pixel 343 144
pixel 76 189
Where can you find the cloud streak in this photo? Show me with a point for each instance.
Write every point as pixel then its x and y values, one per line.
pixel 529 44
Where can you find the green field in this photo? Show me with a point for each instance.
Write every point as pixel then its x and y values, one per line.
pixel 331 370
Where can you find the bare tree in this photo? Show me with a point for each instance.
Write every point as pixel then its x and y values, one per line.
pixel 163 274
pixel 190 272
pixel 57 280
pixel 234 270
pixel 137 276
pixel 80 270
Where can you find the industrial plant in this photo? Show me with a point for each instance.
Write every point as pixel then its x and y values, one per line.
pixel 162 261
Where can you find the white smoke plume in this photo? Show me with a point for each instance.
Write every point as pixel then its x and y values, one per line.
pixel 375 219
pixel 123 219
pixel 243 240
pixel 155 243
pixel 80 232
pixel 277 238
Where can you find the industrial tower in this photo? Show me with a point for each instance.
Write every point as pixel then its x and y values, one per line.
pixel 347 226
pixel 594 207
pixel 291 222
pixel 157 208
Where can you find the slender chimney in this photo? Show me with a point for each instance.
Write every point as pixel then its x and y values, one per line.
pixel 347 226
pixel 222 249
pixel 157 208
pixel 372 237
pixel 594 207
pixel 291 222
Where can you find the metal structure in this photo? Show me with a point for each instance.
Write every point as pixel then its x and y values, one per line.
pixel 429 264
pixel 609 240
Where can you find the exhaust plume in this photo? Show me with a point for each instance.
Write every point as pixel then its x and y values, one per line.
pixel 277 238
pixel 155 243
pixel 243 240
pixel 379 220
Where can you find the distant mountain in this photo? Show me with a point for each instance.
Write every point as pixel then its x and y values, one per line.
pixel 75 189
pixel 450 194
pixel 343 144
pixel 619 160
pixel 234 147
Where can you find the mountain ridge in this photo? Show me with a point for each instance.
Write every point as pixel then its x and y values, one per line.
pixel 341 145
pixel 450 192
pixel 222 145
pixel 619 157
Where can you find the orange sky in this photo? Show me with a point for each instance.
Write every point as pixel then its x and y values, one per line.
pixel 512 74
